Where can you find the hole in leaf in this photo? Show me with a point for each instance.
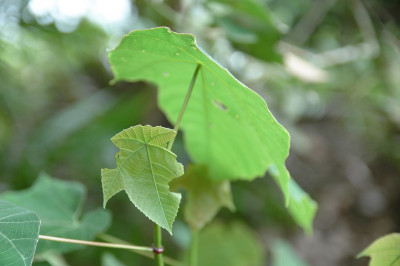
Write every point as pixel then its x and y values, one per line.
pixel 220 105
pixel 165 74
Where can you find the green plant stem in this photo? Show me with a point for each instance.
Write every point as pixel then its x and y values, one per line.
pixel 158 244
pixel 194 248
pixel 157 228
pixel 184 105
pixel 113 239
pixel 93 243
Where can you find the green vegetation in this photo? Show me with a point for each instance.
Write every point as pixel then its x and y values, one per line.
pixel 206 178
pixel 384 251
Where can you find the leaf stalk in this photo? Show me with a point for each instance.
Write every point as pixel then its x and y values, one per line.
pixel 113 239
pixel 94 243
pixel 185 103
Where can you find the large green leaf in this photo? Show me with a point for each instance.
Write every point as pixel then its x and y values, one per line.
pixel 229 244
pixel 19 234
pixel 227 126
pixel 205 196
pixel 59 205
pixel 144 169
pixel 384 251
pixel 301 206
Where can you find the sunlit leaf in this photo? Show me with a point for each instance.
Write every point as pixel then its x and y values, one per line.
pixel 384 251
pixel 59 206
pixel 301 206
pixel 19 234
pixel 229 244
pixel 227 126
pixel 205 196
pixel 144 169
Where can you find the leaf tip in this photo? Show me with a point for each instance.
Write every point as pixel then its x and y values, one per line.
pixel 169 230
pixel 360 255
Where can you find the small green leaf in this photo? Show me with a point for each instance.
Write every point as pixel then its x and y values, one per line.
pixel 19 234
pixel 59 205
pixel 205 196
pixel 227 126
pixel 384 251
pixel 229 244
pixel 144 169
pixel 301 206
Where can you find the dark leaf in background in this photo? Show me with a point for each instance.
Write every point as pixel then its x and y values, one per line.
pixel 59 205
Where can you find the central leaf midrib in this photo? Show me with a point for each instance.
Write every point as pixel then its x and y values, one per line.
pixel 395 260
pixel 155 184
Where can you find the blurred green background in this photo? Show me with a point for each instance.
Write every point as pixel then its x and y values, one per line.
pixel 329 71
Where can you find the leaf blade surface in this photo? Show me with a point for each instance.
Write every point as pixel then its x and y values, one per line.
pixel 19 234
pixel 385 251
pixel 301 206
pixel 59 205
pixel 233 244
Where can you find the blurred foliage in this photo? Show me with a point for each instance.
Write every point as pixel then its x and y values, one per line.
pixel 61 215
pixel 249 26
pixel 229 244
pixel 328 71
pixel 205 197
pixel 283 255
